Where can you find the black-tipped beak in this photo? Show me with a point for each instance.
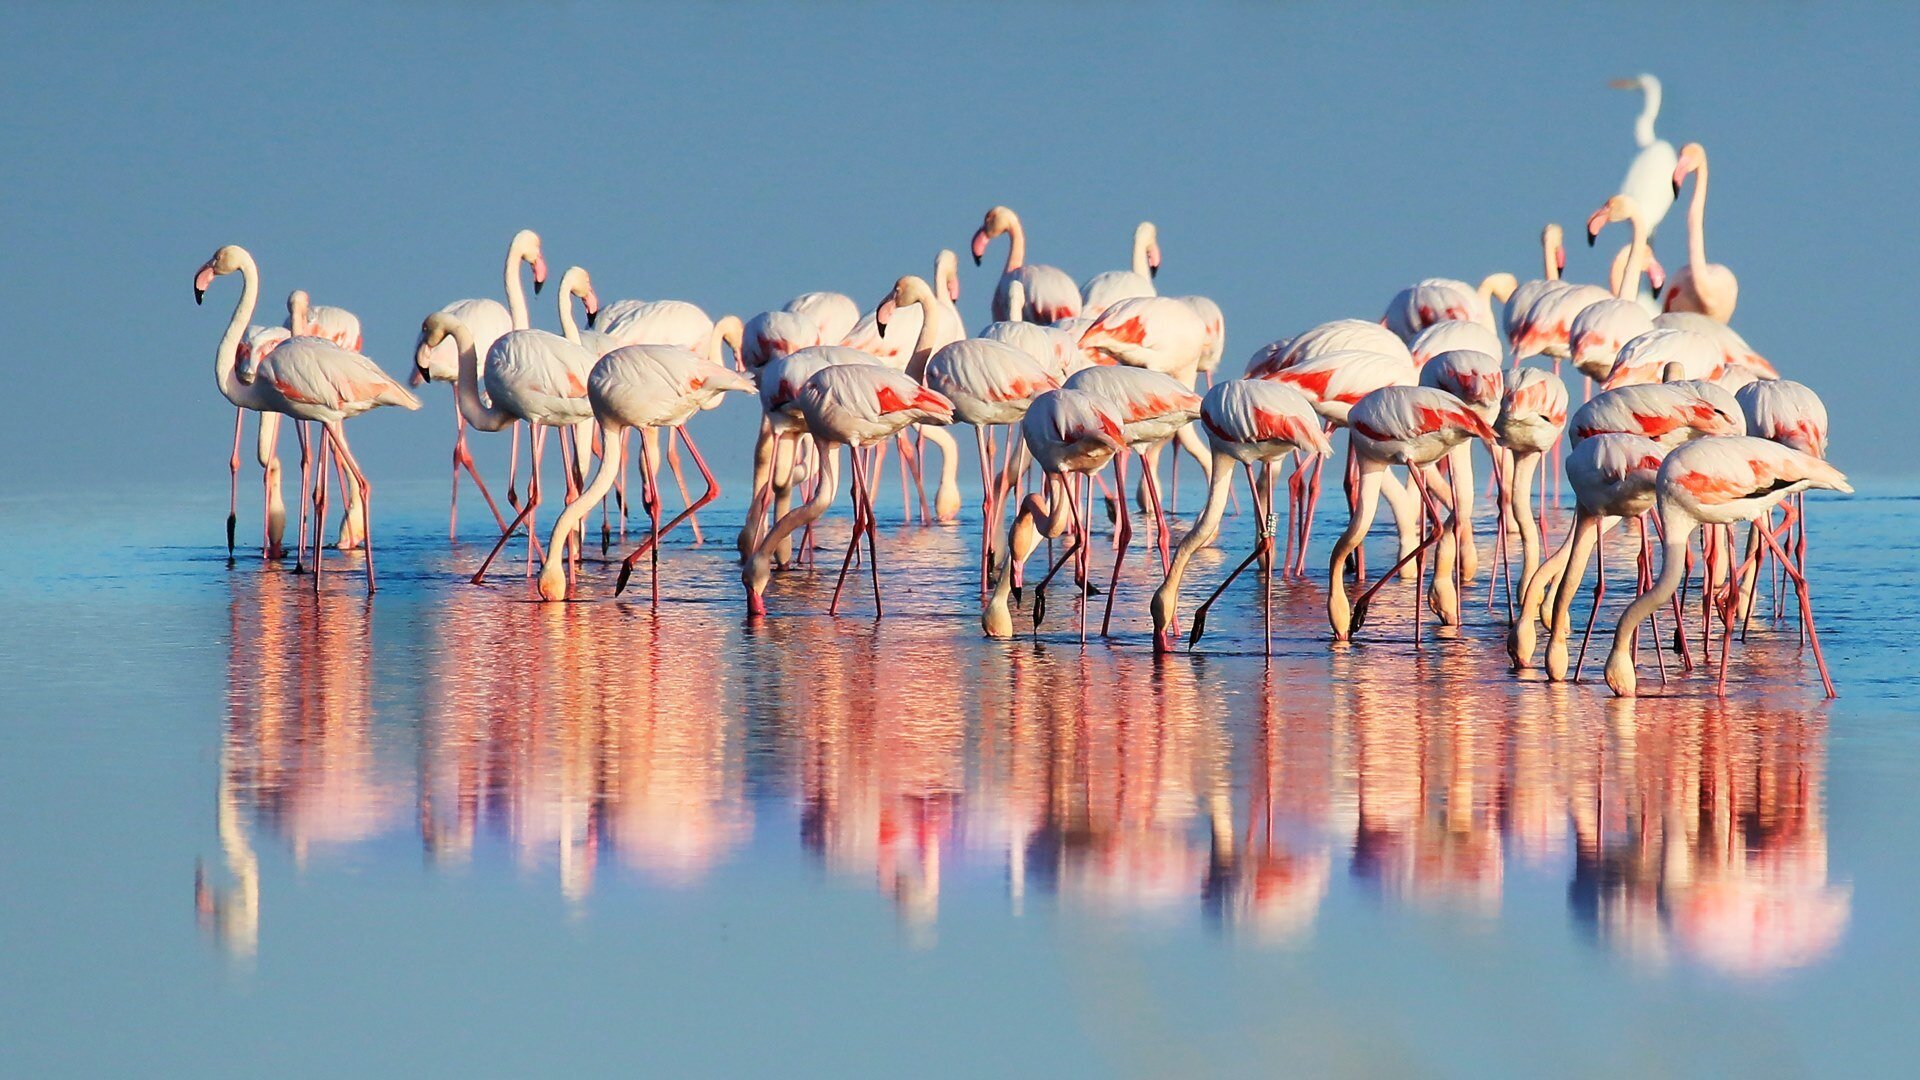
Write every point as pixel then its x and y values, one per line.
pixel 976 260
pixel 1676 189
pixel 881 325
pixel 591 316
pixel 1153 272
pixel 1591 237
pixel 199 294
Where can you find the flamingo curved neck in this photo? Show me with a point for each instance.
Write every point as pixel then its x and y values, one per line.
pixel 1673 569
pixel 1697 223
pixel 568 327
pixel 516 299
pixel 918 293
pixel 466 387
pixel 227 354
pixel 1650 111
pixel 1016 243
pixel 1628 283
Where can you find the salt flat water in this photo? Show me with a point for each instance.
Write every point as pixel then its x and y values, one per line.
pixel 254 830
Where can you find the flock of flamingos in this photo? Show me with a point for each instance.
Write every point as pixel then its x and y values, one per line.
pixel 1682 425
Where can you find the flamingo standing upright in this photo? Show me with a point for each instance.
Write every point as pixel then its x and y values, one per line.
pixel 1706 287
pixel 1648 179
pixel 1051 294
pixel 1792 415
pixel 259 340
pixel 531 375
pixel 845 405
pixel 639 386
pixel 1721 481
pixel 1108 287
pixel 1248 421
pixel 922 319
pixel 1071 434
pixel 486 320
pixel 1596 334
pixel 991 384
pixel 1413 426
pixel 341 327
pixel 306 378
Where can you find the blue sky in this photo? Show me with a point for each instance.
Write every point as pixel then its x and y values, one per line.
pixel 1302 162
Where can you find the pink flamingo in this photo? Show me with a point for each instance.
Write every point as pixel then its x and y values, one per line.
pixel 1736 355
pixel 1596 334
pixel 531 375
pixel 991 384
pixel 926 321
pixel 1433 301
pixel 1213 322
pixel 486 320
pixel 1553 255
pixel 1153 407
pixel 832 314
pixel 1067 432
pixel 259 340
pixel 304 377
pixel 1475 378
pixel 1645 358
pixel 1108 287
pixel 341 327
pixel 1701 286
pixel 857 405
pixel 1249 422
pixel 1533 413
pixel 1721 481
pixel 639 386
pixel 1413 426
pixel 1159 333
pixel 1450 334
pixel 1051 294
pixel 1792 415
pixel 1613 481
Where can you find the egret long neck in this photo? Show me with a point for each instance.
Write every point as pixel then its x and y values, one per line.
pixel 228 351
pixel 1643 127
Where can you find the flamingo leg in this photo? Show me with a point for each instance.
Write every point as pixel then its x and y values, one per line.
pixel 524 517
pixel 233 487
pixel 1599 593
pixel 306 493
pixel 337 434
pixel 1120 552
pixel 513 469
pixel 680 481
pixel 854 536
pixel 320 469
pixel 658 532
pixel 1162 533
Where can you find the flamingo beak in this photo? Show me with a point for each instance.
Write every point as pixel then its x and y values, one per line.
pixel 592 315
pixel 199 294
pixel 539 273
pixel 883 313
pixel 200 282
pixel 979 245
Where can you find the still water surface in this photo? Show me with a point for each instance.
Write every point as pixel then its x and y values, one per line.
pixel 248 829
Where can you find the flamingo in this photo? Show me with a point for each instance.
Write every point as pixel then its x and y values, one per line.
pixel 1613 481
pixel 259 340
pixel 1104 289
pixel 1214 322
pixel 577 284
pixel 1533 413
pixel 1668 413
pixel 1708 288
pixel 1553 255
pixel 1596 334
pixel 991 384
pixel 1647 180
pixel 1450 334
pixel 1051 294
pixel 1053 347
pixel 1248 421
pixel 1473 377
pixel 1644 359
pixel 832 314
pixel 1792 415
pixel 485 320
pixel 771 335
pixel 1432 301
pixel 531 375
pixel 1720 481
pixel 1067 432
pixel 784 427
pixel 1413 426
pixel 846 405
pixel 1736 355
pixel 928 322
pixel 1153 407
pixel 1337 336
pixel 639 386
pixel 306 378
pixel 1334 382
pixel 342 327
pixel 1159 333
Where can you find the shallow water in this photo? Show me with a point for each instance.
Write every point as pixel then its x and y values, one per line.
pixel 456 831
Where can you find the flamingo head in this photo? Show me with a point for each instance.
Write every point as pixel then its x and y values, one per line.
pixel 998 220
pixel 1692 156
pixel 1656 274
pixel 224 261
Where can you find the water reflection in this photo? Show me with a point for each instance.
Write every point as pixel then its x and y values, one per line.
pixel 1103 784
